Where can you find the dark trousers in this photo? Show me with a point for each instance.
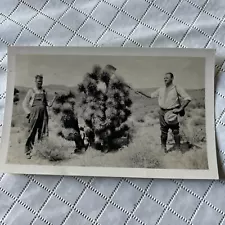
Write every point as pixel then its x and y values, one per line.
pixel 31 138
pixel 38 123
pixel 164 127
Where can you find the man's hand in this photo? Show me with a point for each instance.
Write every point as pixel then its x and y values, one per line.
pixel 177 110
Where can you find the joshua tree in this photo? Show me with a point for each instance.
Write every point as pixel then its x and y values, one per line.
pixel 105 105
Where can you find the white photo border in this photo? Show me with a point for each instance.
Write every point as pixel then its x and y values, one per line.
pixel 208 54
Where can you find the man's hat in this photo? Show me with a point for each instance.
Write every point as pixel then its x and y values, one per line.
pixel 171 118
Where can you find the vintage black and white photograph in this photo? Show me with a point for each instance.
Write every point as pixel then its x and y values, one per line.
pixel 112 109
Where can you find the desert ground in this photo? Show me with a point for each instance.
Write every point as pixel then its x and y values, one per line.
pixel 143 151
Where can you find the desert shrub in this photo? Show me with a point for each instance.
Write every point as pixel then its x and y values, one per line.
pixel 65 118
pixel 198 135
pixel 50 149
pixel 105 105
pixel 197 121
pixel 197 104
pixel 193 130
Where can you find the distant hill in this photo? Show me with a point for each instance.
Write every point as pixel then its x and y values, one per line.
pixel 49 88
pixel 191 92
pixel 155 88
pixel 62 89
pixel 55 86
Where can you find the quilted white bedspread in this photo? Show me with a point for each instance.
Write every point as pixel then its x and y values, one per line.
pixel 45 200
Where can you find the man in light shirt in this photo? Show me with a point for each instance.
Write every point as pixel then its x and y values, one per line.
pixel 35 106
pixel 168 100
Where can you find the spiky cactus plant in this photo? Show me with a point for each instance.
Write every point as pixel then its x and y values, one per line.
pixel 105 105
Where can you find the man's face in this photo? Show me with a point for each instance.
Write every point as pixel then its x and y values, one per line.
pixel 39 82
pixel 168 79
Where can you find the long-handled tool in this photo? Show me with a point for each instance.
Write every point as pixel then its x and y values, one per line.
pixel 138 92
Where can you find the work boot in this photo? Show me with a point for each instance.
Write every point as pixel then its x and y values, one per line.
pixel 28 152
pixel 28 156
pixel 163 143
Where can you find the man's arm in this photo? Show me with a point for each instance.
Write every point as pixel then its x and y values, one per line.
pixel 26 101
pixel 155 94
pixel 185 96
pixel 184 104
pixel 53 100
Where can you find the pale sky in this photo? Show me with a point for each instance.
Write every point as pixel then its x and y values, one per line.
pixel 140 72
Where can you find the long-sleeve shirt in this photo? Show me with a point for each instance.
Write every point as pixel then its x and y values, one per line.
pixel 168 97
pixel 29 98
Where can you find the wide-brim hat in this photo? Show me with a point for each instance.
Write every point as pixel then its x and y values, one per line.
pixel 171 118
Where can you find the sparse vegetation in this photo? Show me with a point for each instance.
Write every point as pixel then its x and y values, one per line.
pixel 50 150
pixel 143 150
